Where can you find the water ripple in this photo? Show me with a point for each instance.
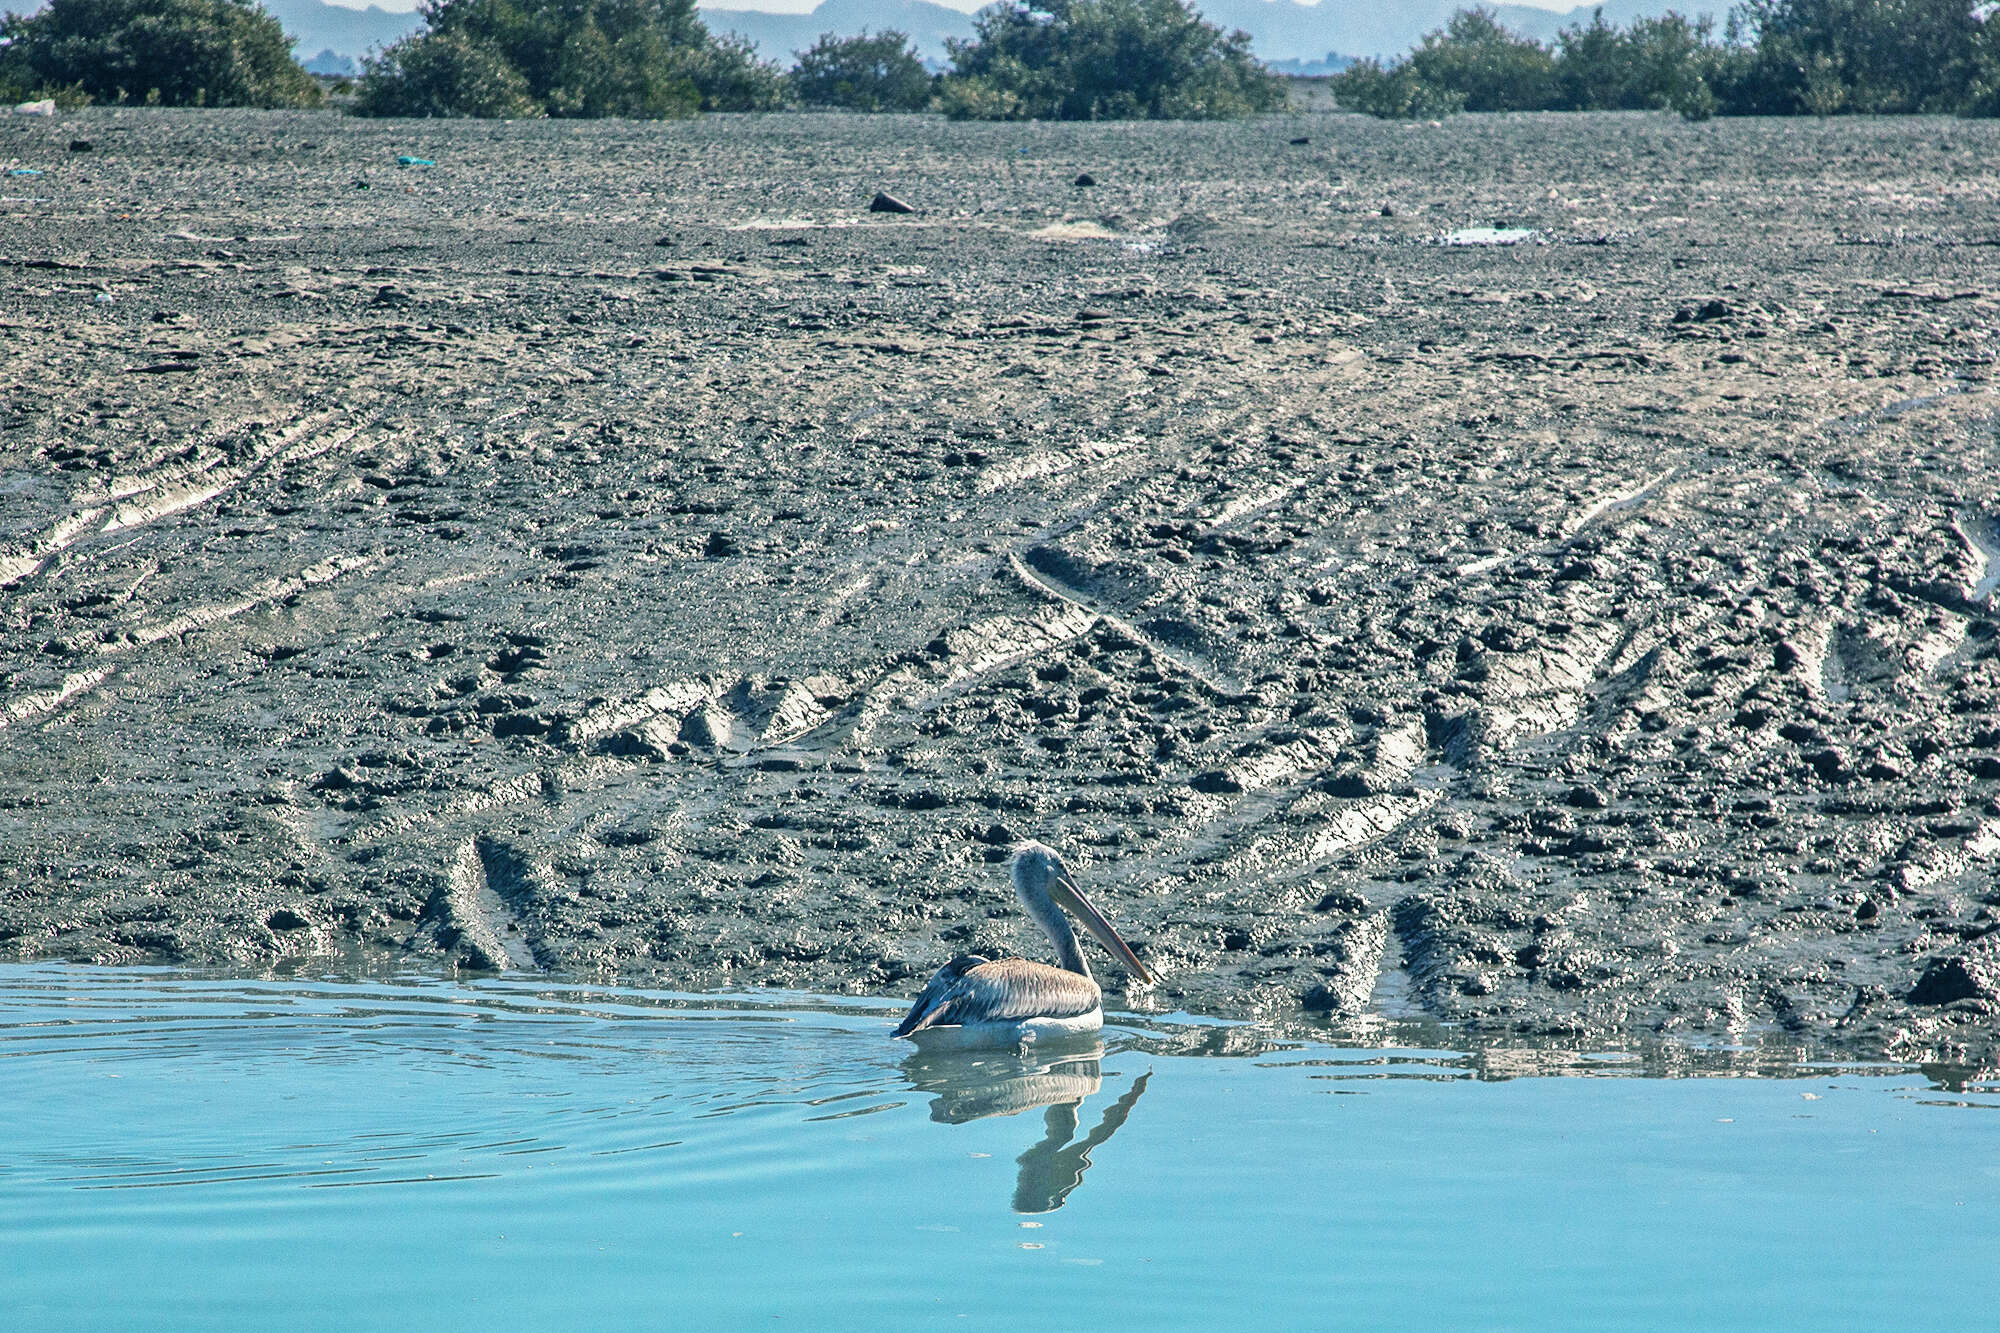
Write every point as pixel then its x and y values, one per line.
pixel 182 1150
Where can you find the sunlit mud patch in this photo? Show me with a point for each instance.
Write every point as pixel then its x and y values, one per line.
pixel 1074 231
pixel 1981 534
pixel 863 222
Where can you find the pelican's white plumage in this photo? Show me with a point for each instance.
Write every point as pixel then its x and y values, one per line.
pixel 976 1001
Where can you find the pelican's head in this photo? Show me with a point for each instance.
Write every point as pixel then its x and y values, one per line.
pixel 1040 877
pixel 1036 867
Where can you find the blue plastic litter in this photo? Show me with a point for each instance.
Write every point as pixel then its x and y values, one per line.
pixel 23 171
pixel 405 160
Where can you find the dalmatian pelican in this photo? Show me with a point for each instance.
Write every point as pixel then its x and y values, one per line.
pixel 975 1001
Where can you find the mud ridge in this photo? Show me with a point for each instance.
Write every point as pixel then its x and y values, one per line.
pixel 474 918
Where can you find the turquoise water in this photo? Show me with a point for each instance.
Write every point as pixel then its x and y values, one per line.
pixel 183 1152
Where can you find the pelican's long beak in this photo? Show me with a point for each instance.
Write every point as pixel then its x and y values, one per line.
pixel 1067 895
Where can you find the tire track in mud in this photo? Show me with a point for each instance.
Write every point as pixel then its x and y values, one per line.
pixel 1047 465
pixel 171 481
pixel 672 701
pixel 1527 697
pixel 169 491
pixel 29 707
pixel 148 632
pixel 960 655
pixel 28 559
pixel 1050 585
pixel 969 653
pixel 259 595
pixel 75 685
pixel 1354 825
pixel 1619 501
pixel 1524 696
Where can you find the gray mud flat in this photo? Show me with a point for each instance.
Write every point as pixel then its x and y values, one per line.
pixel 615 550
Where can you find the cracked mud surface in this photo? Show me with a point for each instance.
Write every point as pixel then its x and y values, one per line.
pixel 613 550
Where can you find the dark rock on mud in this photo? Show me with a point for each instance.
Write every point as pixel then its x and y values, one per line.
pixel 1380 626
pixel 888 203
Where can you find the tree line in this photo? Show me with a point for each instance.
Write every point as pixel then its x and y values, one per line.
pixel 1027 60
pixel 1773 58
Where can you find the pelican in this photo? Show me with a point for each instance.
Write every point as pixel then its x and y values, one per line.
pixel 975 1001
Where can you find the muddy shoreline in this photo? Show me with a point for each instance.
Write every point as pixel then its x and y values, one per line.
pixel 612 550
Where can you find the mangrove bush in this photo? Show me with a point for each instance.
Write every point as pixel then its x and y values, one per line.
pixel 153 52
pixel 1775 57
pixel 646 59
pixel 863 73
pixel 1104 60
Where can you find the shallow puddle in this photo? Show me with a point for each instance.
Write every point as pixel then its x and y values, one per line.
pixel 186 1152
pixel 1490 236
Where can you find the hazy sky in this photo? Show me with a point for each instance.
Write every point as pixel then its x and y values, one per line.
pixel 971 6
pixel 807 6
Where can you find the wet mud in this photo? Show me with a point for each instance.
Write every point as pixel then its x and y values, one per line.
pixel 616 550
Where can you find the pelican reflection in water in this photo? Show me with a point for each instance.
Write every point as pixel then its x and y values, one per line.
pixel 973 1086
pixel 976 1001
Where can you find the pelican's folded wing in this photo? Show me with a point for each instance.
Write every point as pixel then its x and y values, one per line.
pixel 944 987
pixel 969 989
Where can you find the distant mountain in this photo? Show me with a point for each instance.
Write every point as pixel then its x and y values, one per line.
pixel 314 25
pixel 1280 30
pixel 778 36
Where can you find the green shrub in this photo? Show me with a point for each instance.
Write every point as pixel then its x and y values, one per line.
pixel 161 52
pixel 731 76
pixel 1391 93
pixel 1982 84
pixel 1655 63
pixel 1104 60
pixel 1694 100
pixel 67 97
pixel 1779 57
pixel 647 59
pixel 976 97
pixel 1675 65
pixel 1821 57
pixel 1593 66
pixel 444 74
pixel 1470 64
pixel 864 73
pixel 1491 68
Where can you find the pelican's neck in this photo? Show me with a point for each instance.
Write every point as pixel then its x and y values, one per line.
pixel 1069 955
